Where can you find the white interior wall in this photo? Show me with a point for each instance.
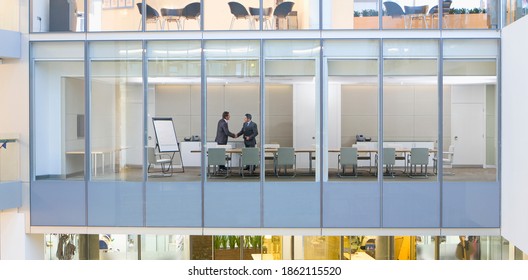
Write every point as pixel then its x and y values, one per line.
pixel 514 226
pixel 9 13
pixel 304 120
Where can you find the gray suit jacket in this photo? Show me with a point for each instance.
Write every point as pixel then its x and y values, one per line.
pixel 250 131
pixel 222 132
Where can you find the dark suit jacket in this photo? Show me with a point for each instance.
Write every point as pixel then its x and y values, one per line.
pixel 251 131
pixel 222 132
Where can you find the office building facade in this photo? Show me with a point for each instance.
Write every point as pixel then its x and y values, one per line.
pixel 323 78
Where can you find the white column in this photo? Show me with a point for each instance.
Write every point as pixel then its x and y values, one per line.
pixel 15 244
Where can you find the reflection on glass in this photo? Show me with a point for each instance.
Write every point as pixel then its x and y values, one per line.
pixel 274 15
pixel 410 109
pixel 233 109
pixel 175 92
pixel 53 16
pixel 292 120
pixel 59 111
pixel 470 110
pixel 352 109
pixel 117 111
pixel 159 247
pixel 272 247
pixel 321 247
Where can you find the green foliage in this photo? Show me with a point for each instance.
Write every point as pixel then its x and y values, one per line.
pixel 357 14
pixel 369 13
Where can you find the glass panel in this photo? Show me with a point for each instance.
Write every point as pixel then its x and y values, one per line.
pixel 515 9
pixel 352 109
pixel 276 15
pixel 475 248
pixel 292 121
pixel 117 111
pixel 227 247
pixel 470 111
pixel 253 248
pixel 410 109
pixel 55 15
pixel 175 92
pixel 336 14
pixel 473 14
pixel 59 110
pixel 122 15
pixel 233 108
pixel 272 247
pixel 163 247
pixel 322 247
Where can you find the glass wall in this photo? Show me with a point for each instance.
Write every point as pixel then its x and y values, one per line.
pixel 292 107
pixel 116 110
pixel 174 91
pixel 233 86
pixel 470 110
pixel 352 108
pixel 410 108
pixel 59 110
pixel 56 15
pixel 273 15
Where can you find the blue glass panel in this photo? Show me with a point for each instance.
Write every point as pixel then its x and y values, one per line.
pixel 232 204
pixel 115 204
pixel 291 205
pixel 351 204
pixel 411 204
pixel 58 203
pixel 174 204
pixel 10 195
pixel 471 204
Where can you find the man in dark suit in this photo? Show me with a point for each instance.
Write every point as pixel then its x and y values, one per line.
pixel 249 131
pixel 222 133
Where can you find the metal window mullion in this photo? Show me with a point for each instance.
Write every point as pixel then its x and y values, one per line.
pixel 263 125
pixel 380 126
pixel 87 125
pixel 321 128
pixel 144 75
pixel 203 130
pixel 440 146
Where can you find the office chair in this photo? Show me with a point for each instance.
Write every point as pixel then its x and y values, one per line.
pixel 433 12
pixel 191 11
pixel 239 12
pixel 172 15
pixel 282 11
pixel 416 13
pixel 266 16
pixel 152 15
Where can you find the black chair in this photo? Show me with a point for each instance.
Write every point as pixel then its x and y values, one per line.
pixel 239 12
pixel 152 15
pixel 282 11
pixel 393 9
pixel 416 13
pixel 191 11
pixel 172 15
pixel 433 12
pixel 266 16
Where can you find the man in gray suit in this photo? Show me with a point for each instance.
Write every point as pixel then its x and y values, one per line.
pixel 249 131
pixel 222 133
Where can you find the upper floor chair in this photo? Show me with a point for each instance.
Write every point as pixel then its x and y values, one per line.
pixel 239 12
pixel 191 12
pixel 389 160
pixel 172 15
pixel 433 13
pixel 447 161
pixel 416 13
pixel 282 11
pixel 393 9
pixel 266 16
pixel 152 16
